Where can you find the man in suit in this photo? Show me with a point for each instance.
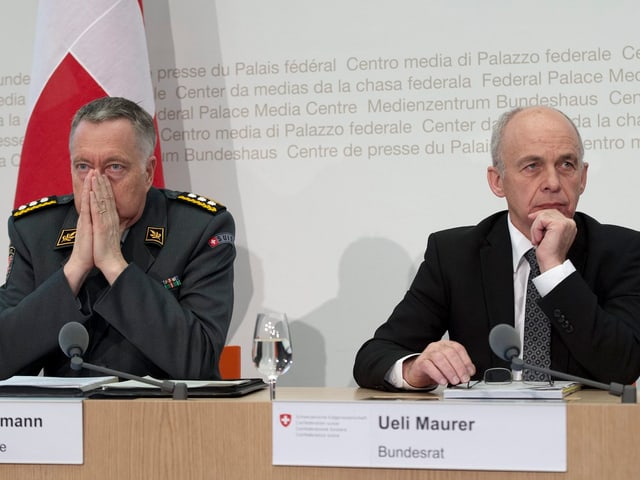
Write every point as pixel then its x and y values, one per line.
pixel 149 272
pixel 474 278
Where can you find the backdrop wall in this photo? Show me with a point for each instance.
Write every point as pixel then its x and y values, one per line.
pixel 340 134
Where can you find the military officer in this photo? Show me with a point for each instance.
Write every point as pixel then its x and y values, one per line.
pixel 148 271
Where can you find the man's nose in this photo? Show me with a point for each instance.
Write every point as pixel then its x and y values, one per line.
pixel 551 179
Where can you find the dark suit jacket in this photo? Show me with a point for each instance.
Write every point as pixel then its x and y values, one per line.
pixel 166 315
pixel 465 286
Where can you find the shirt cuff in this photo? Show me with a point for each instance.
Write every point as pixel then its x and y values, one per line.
pixel 547 281
pixel 395 378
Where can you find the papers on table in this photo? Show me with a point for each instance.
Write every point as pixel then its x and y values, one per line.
pixel 513 390
pixel 20 385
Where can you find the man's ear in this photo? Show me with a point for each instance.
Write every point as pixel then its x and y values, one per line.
pixel 150 170
pixel 494 178
pixel 583 180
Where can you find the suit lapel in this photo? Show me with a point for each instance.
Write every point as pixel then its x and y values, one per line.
pixel 67 234
pixel 497 274
pixel 578 251
pixel 147 236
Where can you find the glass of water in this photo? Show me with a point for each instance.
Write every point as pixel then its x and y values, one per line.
pixel 271 352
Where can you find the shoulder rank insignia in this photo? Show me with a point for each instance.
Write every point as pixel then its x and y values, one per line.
pixel 200 201
pixel 34 206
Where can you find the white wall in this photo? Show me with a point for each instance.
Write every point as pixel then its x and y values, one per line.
pixel 334 239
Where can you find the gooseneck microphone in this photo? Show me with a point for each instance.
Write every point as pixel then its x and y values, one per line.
pixel 505 343
pixel 74 340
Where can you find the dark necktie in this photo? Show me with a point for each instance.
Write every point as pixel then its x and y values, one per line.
pixel 537 329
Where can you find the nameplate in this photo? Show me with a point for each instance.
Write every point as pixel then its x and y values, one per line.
pixel 528 436
pixel 41 431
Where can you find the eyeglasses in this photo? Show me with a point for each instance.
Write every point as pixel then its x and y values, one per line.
pixel 503 376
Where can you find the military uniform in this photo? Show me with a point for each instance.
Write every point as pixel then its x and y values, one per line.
pixel 166 315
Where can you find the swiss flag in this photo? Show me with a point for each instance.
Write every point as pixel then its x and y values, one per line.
pixel 83 50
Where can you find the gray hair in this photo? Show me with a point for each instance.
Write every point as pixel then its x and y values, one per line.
pixel 115 108
pixel 501 124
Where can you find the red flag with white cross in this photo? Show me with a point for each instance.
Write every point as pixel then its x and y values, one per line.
pixel 83 50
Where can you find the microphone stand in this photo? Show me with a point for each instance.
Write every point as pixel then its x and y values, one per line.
pixel 627 393
pixel 178 390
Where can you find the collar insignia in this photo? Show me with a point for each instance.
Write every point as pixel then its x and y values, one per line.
pixel 67 237
pixel 155 235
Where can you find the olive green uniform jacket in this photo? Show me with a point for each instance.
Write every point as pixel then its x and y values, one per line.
pixel 166 315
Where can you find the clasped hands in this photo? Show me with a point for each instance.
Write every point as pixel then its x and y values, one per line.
pixel 446 361
pixel 98 233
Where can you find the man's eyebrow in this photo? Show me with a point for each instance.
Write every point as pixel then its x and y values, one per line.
pixel 528 159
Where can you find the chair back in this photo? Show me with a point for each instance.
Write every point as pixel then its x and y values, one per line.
pixel 230 363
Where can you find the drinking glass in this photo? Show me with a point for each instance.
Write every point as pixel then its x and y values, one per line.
pixel 271 350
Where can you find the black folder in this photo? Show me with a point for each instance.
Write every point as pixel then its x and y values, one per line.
pixel 110 387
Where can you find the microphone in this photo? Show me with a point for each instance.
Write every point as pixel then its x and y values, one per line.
pixel 73 339
pixel 505 343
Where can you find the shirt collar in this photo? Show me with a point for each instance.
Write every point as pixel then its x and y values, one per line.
pixel 519 243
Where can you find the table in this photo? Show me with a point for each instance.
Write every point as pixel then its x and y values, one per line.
pixel 231 439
